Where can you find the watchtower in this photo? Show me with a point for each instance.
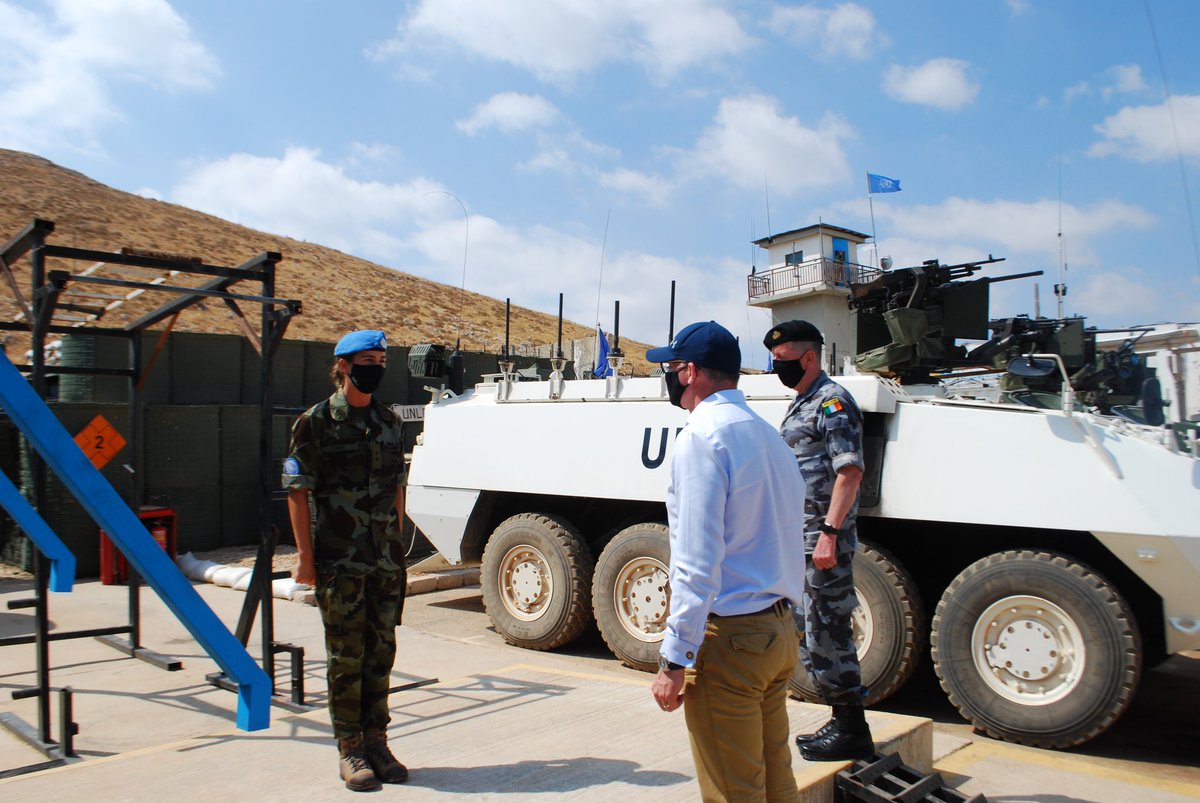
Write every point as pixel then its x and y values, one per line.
pixel 808 276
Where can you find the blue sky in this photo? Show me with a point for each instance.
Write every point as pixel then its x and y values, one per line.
pixel 672 121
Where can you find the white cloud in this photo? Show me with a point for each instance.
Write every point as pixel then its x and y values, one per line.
pixel 1026 233
pixel 751 137
pixel 149 192
pixel 652 189
pixel 1126 78
pixel 1017 7
pixel 1151 133
pixel 372 153
pixel 1079 90
pixel 1015 227
pixel 508 112
pixel 942 83
pixel 1126 295
pixel 303 197
pixel 415 227
pixel 55 71
pixel 847 30
pixel 557 40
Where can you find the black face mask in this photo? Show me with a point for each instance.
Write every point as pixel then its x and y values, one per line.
pixel 675 388
pixel 366 377
pixel 790 372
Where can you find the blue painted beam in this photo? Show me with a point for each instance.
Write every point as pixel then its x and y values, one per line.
pixel 109 510
pixel 62 562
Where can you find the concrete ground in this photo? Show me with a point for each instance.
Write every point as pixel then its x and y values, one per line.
pixel 487 721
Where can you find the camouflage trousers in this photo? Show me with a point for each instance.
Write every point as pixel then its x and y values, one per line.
pixel 827 647
pixel 360 612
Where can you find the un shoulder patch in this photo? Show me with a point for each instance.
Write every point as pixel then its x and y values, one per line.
pixel 832 406
pixel 291 466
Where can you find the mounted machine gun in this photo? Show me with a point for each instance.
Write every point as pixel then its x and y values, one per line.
pixel 909 319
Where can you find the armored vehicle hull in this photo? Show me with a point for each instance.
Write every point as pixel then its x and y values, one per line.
pixel 1043 557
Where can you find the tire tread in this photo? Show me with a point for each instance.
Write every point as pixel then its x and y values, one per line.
pixel 1110 598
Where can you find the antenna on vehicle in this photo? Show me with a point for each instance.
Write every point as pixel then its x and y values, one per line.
pixel 506 363
pixel 557 362
pixel 1060 289
pixel 1187 195
pixel 615 356
pixel 671 327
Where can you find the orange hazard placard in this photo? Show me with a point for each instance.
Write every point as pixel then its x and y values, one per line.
pixel 100 441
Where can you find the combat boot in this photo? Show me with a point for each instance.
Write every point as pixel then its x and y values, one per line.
pixel 849 738
pixel 804 738
pixel 387 768
pixel 353 766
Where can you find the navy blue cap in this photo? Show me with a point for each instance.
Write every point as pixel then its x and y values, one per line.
pixel 362 340
pixel 793 331
pixel 706 343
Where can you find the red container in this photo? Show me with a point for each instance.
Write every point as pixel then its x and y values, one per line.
pixel 160 521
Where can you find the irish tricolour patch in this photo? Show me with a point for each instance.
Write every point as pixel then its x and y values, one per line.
pixel 833 406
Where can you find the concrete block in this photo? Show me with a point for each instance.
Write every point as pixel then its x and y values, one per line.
pixel 422 584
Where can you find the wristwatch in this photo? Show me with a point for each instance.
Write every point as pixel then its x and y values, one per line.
pixel 667 666
pixel 828 528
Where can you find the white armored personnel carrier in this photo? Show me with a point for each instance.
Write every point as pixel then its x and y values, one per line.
pixel 1044 548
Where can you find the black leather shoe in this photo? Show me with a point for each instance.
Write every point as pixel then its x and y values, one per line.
pixel 839 744
pixel 804 738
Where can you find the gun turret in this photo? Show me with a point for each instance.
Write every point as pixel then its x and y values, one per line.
pixel 910 319
pixel 1111 381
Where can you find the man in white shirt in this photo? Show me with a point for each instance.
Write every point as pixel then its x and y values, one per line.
pixel 736 511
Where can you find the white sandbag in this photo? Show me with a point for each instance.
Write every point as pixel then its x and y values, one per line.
pixel 228 576
pixel 243 582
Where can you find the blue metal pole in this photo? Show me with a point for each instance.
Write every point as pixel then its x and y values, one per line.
pixel 112 514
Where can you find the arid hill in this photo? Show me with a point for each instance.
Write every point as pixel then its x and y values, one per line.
pixel 330 284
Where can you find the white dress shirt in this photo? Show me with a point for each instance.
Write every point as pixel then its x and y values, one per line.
pixel 736 512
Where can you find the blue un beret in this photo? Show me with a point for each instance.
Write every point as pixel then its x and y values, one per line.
pixel 362 340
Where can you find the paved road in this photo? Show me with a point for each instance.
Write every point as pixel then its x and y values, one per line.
pixel 1154 748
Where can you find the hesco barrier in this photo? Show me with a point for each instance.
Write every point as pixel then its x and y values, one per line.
pixel 200 422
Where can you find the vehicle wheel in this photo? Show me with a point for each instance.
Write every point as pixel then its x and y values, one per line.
pixel 630 595
pixel 537 581
pixel 889 626
pixel 1035 648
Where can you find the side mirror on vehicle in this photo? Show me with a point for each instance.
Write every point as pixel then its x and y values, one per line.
pixel 1031 367
pixel 1152 402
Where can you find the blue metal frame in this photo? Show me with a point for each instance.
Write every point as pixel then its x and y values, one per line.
pixel 110 512
pixel 62 562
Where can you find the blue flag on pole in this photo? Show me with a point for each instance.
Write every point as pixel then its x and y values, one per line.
pixel 601 355
pixel 882 184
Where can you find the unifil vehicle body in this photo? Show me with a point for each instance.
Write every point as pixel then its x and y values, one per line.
pixel 1044 553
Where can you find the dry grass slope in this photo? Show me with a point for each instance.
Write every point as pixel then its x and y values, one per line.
pixel 339 292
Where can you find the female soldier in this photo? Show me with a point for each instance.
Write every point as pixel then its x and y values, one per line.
pixel 347 452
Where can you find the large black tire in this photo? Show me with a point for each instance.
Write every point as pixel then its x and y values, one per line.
pixel 630 594
pixel 537 581
pixel 1036 648
pixel 889 627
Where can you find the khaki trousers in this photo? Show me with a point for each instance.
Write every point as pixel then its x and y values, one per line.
pixel 735 704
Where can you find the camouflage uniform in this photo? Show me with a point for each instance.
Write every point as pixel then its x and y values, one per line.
pixel 351 461
pixel 824 428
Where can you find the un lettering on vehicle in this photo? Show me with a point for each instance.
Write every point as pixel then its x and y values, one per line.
pixel 656 443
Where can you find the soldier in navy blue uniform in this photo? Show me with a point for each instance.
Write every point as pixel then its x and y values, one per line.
pixel 823 426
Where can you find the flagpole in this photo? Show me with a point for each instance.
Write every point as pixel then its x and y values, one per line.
pixel 874 239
